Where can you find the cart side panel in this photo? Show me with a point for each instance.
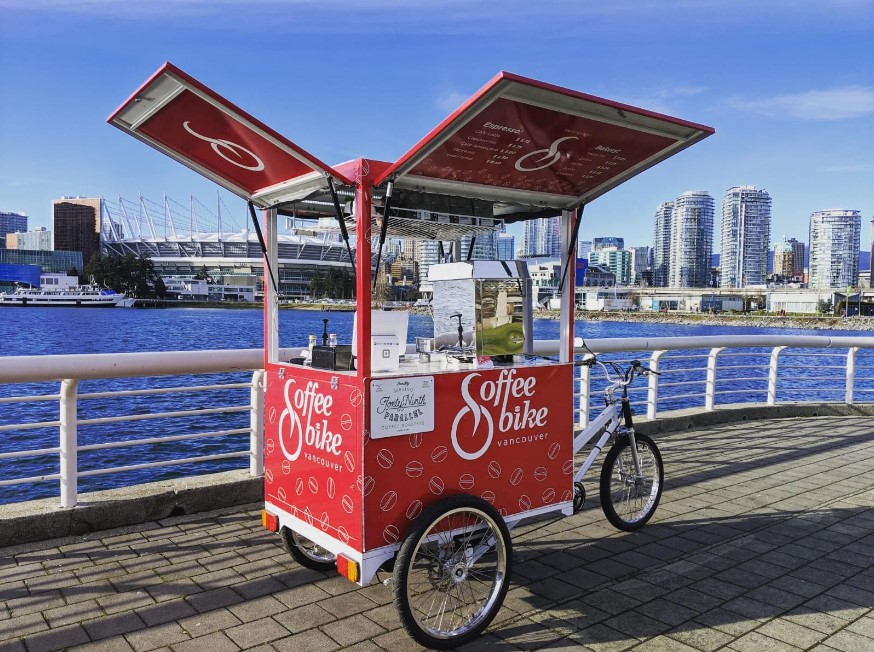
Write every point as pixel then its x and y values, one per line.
pixel 505 435
pixel 312 449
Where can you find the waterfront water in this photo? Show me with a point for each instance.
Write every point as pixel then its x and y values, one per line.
pixel 41 331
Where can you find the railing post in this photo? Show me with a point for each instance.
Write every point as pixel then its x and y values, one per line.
pixel 652 393
pixel 585 393
pixel 772 374
pixel 69 440
pixel 256 423
pixel 710 383
pixel 851 374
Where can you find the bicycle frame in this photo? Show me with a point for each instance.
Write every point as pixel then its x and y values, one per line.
pixel 608 419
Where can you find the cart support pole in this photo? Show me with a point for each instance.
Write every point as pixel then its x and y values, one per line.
pixel 363 198
pixel 570 221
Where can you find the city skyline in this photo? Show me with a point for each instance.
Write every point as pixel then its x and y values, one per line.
pixel 790 95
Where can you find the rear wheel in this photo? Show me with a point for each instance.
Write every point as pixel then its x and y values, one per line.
pixel 452 572
pixel 307 553
pixel 630 500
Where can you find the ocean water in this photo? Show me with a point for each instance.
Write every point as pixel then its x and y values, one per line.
pixel 43 331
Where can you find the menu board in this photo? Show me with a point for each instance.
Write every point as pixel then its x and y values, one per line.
pixel 515 145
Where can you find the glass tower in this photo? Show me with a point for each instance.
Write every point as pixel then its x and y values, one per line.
pixel 661 248
pixel 691 241
pixel 746 236
pixel 834 248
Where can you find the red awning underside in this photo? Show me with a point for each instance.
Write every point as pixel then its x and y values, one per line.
pixel 522 141
pixel 177 115
pixel 522 145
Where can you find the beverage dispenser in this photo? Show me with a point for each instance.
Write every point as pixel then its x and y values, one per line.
pixel 482 307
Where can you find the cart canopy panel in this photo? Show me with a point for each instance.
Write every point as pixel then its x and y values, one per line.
pixel 522 143
pixel 179 116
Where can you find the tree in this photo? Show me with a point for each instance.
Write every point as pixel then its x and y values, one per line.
pixel 204 275
pixel 131 275
pixel 317 285
pixel 74 272
pixel 160 289
pixel 824 306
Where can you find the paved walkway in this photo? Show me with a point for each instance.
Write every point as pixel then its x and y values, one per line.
pixel 764 540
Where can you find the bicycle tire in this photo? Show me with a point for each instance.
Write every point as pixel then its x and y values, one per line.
pixel 630 502
pixel 307 553
pixel 446 597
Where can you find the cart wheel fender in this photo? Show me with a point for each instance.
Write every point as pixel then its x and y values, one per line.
pixel 473 408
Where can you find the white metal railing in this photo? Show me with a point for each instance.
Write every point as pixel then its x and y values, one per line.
pixel 71 370
pixel 695 372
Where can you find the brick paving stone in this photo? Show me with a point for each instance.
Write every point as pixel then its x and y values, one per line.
pixel 114 644
pixel 215 599
pixel 349 631
pixel 208 623
pixel 849 641
pixel 56 639
pixel 164 612
pixel 791 633
pixel 155 637
pixel 215 642
pixel 698 637
pixel 312 640
pixel 114 625
pixel 22 625
pixel 305 617
pixel 256 632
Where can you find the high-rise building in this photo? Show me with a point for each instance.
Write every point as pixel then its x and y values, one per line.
pixel 834 248
pixel 641 261
pixel 40 239
pixel 506 246
pixel 485 247
pixel 542 238
pixel 798 256
pixel 691 243
pixel 10 223
pixel 618 261
pixel 584 248
pixel 746 235
pixel 784 258
pixel 76 225
pixel 661 246
pixel 607 241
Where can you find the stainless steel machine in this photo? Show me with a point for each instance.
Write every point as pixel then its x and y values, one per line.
pixel 482 306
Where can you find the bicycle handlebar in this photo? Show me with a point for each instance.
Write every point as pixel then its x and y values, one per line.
pixel 635 368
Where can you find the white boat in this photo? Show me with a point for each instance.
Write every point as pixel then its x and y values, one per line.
pixel 84 296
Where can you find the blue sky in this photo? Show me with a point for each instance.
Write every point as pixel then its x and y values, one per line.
pixel 788 85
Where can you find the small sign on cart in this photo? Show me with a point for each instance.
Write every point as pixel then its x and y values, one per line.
pixel 401 406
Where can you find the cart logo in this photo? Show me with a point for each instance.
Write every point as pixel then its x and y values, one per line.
pixel 508 397
pixel 256 164
pixel 305 420
pixel 549 156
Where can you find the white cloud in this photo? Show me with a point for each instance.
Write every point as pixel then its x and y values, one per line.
pixel 845 103
pixel 451 100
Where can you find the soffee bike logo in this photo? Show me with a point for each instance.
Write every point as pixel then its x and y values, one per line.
pixel 235 153
pixel 305 421
pixel 545 157
pixel 503 404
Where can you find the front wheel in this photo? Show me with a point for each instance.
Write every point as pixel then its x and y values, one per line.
pixel 629 500
pixel 452 572
pixel 307 553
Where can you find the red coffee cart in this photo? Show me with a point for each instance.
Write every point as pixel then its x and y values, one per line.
pixel 418 458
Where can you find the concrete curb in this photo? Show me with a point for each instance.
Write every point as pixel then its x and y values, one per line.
pixel 39 520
